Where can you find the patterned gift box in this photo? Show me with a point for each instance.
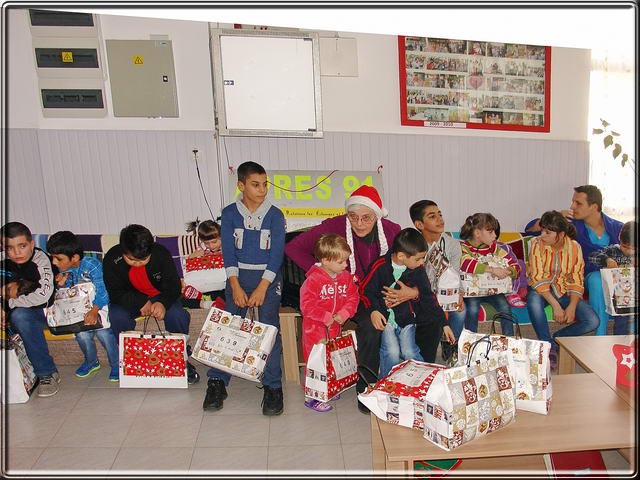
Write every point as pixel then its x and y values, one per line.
pixel 205 273
pixel 531 367
pixel 154 357
pixel 468 402
pixel 204 262
pixel 332 367
pixel 235 345
pixel 485 284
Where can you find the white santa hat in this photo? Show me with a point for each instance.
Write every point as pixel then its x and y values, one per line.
pixel 368 197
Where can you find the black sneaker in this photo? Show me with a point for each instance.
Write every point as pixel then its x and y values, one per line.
pixel 216 393
pixel 192 374
pixel 363 408
pixel 272 403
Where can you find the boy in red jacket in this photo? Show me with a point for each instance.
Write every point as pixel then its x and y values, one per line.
pixel 328 298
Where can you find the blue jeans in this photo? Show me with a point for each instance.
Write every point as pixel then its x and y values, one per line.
pixel 396 345
pixel 267 313
pixel 586 319
pixel 29 323
pixel 499 302
pixel 458 321
pixel 176 318
pixel 86 341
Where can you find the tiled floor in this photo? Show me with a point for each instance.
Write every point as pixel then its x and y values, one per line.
pixel 91 426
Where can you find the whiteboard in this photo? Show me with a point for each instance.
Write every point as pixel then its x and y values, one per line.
pixel 266 83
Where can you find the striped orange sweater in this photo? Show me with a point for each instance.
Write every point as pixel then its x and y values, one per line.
pixel 559 271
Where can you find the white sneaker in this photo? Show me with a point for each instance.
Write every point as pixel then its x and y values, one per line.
pixel 48 386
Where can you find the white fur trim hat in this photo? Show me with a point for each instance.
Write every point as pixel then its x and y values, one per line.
pixel 369 197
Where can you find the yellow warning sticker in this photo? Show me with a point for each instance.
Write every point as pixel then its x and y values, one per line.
pixel 138 60
pixel 67 57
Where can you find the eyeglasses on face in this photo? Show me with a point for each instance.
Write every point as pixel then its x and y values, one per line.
pixel 364 218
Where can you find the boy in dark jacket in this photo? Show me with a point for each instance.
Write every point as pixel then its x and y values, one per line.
pixel 398 324
pixel 142 280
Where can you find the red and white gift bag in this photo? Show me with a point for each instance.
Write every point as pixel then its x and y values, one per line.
pixel 399 397
pixel 153 360
pixel 625 364
pixel 331 367
pixel 205 273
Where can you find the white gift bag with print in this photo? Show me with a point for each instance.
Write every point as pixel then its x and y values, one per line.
pixel 486 284
pixel 20 379
pixel 331 367
pixel 619 290
pixel 531 366
pixel 236 345
pixel 445 281
pixel 467 402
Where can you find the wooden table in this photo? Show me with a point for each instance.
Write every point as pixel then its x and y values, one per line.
pixel 585 415
pixel 594 354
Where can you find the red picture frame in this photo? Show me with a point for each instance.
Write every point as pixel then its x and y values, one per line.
pixel 450 83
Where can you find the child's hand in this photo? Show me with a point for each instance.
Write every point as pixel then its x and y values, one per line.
pixel 448 334
pixel 558 313
pixel 378 320
pixel 146 309
pixel 91 317
pixel 611 263
pixel 9 290
pixel 499 272
pixel 196 254
pixel 61 279
pixel 461 303
pixel 239 296
pixel 158 310
pixel 570 314
pixel 338 319
pixel 257 297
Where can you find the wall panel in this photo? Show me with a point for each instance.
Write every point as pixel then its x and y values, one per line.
pixel 98 181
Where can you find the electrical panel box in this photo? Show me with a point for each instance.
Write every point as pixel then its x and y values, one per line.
pixel 67 57
pixel 72 97
pixel 50 23
pixel 142 76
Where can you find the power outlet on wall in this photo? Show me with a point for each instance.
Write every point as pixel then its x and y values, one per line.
pixel 194 152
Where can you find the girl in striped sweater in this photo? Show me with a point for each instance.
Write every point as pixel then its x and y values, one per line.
pixel 479 251
pixel 556 278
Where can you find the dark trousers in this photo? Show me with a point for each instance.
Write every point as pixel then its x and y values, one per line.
pixel 176 318
pixel 427 338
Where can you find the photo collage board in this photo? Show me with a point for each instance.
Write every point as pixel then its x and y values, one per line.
pixel 474 84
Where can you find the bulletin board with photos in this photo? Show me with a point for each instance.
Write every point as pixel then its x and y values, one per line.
pixel 474 84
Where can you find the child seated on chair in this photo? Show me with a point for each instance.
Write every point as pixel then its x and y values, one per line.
pixel 619 255
pixel 328 298
pixel 403 263
pixel 204 274
pixel 68 255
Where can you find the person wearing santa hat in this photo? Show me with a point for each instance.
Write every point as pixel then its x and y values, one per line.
pixel 369 235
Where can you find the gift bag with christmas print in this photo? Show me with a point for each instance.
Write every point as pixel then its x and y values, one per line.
pixel 625 364
pixel 331 367
pixel 444 279
pixel 236 345
pixel 71 304
pixel 531 367
pixel 205 273
pixel 467 402
pixel 156 360
pixel 619 290
pixel 486 284
pixel 399 397
pixel 20 377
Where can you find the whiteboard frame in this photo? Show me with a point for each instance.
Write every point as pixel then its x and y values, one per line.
pixel 218 83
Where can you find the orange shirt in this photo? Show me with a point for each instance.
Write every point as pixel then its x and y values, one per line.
pixel 559 271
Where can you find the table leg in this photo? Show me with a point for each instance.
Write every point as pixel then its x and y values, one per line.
pixel 377 447
pixel 289 347
pixel 566 363
pixel 629 455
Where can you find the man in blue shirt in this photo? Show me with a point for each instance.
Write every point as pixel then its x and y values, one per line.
pixel 595 231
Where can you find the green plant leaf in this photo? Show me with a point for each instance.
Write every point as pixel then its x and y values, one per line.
pixel 615 134
pixel 617 149
pixel 625 157
pixel 597 131
pixel 605 124
pixel 608 140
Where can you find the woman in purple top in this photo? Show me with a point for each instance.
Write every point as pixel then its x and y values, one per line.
pixel 369 235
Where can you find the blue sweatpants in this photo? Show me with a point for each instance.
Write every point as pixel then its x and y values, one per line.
pixel 267 313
